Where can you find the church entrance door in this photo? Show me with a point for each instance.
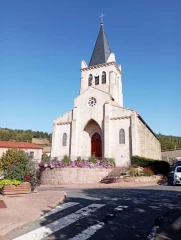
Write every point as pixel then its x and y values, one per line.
pixel 96 145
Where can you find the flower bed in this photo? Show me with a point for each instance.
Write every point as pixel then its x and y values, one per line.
pixel 90 163
pixel 79 171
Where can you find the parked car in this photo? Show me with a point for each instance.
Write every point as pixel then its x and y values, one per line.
pixel 177 176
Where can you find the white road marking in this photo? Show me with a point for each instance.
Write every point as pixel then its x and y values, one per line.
pixel 120 208
pixel 86 234
pixel 61 223
pixel 59 208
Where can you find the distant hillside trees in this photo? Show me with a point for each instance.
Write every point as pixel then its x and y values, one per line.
pixel 17 135
pixel 6 134
pixel 169 142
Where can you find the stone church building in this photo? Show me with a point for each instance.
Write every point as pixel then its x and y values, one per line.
pixel 98 124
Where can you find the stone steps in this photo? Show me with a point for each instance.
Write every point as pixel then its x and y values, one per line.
pixel 115 175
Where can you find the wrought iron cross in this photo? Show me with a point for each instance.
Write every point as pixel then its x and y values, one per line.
pixel 102 16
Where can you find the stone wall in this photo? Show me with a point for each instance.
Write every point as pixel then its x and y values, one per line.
pixel 73 175
pixel 171 154
pixel 149 145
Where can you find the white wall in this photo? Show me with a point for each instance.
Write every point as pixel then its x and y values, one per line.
pixel 113 84
pixel 37 153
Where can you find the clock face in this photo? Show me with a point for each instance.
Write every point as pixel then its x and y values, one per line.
pixel 96 74
pixel 91 102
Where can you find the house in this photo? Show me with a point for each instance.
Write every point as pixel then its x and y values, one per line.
pixel 99 124
pixel 45 143
pixel 33 150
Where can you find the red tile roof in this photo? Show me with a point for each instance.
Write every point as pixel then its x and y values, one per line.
pixel 24 145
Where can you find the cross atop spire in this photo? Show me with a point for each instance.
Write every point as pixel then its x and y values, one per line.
pixel 102 16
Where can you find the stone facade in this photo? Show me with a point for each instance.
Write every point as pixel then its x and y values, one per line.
pixel 99 110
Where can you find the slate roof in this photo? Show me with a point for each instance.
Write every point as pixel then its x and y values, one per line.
pixel 23 145
pixel 101 50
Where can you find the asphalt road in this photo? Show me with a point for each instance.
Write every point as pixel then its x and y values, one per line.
pixel 109 213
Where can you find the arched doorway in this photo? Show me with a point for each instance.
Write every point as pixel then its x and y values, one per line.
pixel 96 145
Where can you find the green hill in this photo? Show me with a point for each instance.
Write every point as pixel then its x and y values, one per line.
pixel 169 142
pixel 18 135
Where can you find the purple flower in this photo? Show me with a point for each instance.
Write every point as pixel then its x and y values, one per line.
pixel 41 164
pixel 13 167
pixel 73 164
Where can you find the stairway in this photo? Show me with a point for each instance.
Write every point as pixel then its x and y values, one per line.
pixel 115 175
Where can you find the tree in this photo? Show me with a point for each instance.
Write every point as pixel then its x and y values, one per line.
pixel 13 156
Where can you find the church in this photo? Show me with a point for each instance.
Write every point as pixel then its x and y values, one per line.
pixel 98 124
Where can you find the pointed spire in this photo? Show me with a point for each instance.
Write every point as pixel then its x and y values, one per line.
pixel 101 50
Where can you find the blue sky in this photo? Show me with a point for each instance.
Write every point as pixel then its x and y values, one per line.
pixel 42 43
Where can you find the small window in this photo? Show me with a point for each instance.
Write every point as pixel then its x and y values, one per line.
pixel 90 80
pixel 64 140
pixel 97 80
pixel 103 77
pixel 121 136
pixel 31 154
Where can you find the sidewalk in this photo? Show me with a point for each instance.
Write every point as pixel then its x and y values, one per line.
pixel 24 208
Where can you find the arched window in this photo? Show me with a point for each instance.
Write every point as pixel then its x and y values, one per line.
pixel 103 77
pixel 97 80
pixel 90 80
pixel 64 139
pixel 121 136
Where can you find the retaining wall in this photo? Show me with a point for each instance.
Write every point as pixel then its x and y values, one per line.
pixel 171 154
pixel 73 175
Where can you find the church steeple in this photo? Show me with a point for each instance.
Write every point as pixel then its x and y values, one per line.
pixel 101 50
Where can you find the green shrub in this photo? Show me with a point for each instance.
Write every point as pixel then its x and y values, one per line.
pixel 13 156
pixel 112 161
pixel 66 159
pixel 134 165
pixel 141 161
pixel 92 159
pixel 17 165
pixel 160 167
pixel 147 172
pixel 45 158
pixel 134 172
pixel 4 182
pixel 157 166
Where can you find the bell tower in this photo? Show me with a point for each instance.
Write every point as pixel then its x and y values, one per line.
pixel 102 72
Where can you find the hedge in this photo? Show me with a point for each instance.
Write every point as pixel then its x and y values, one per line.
pixel 141 161
pixel 158 166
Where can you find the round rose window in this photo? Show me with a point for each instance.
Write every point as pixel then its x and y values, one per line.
pixel 91 102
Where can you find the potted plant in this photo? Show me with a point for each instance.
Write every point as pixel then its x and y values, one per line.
pixel 12 186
